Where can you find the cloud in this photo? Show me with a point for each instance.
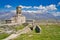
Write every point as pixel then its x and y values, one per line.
pixel 13 11
pixel 8 6
pixel 45 9
pixel 36 7
pixel 30 11
pixel 56 13
pixel 25 6
pixel 40 9
pixel 51 7
pixel 58 3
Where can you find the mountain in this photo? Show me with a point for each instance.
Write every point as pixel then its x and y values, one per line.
pixel 36 16
pixel 6 15
pixel 58 17
pixel 39 16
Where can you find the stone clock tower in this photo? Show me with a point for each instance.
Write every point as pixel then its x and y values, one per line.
pixel 18 10
pixel 19 17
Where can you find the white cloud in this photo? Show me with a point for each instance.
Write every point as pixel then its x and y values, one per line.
pixel 36 7
pixel 51 7
pixel 58 3
pixel 35 11
pixel 56 13
pixel 30 11
pixel 45 9
pixel 8 6
pixel 40 9
pixel 25 6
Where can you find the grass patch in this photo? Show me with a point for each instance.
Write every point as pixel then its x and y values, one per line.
pixel 19 27
pixel 48 32
pixel 3 35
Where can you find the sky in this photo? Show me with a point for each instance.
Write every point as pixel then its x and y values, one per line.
pixel 36 6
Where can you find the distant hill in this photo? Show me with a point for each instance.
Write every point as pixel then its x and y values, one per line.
pixel 39 16
pixel 6 15
pixel 36 16
pixel 58 17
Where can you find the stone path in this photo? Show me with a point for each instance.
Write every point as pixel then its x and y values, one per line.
pixel 12 36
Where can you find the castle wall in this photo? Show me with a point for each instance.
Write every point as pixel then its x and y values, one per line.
pixel 21 20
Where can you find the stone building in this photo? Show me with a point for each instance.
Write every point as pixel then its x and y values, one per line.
pixel 18 18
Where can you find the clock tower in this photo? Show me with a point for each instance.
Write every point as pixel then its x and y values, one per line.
pixel 18 10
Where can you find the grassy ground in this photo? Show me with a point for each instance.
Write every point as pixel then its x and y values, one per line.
pixel 48 32
pixel 19 27
pixel 3 35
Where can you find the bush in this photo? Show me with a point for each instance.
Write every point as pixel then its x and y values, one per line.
pixel 37 29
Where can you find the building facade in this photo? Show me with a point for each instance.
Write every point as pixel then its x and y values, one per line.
pixel 18 18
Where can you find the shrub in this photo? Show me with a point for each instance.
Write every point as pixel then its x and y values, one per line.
pixel 37 29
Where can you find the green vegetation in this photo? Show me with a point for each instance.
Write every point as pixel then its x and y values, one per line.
pixel 48 32
pixel 37 29
pixel 3 35
pixel 20 27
